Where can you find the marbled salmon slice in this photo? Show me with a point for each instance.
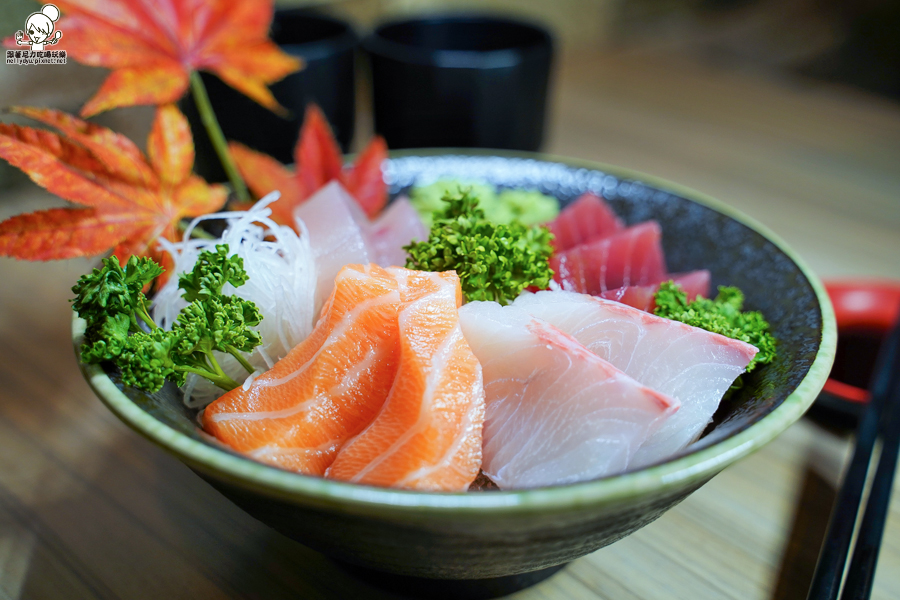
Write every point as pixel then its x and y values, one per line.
pixel 428 433
pixel 328 388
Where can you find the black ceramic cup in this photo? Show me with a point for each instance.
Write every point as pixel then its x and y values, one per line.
pixel 327 47
pixel 460 81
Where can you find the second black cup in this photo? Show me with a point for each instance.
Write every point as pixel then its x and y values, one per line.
pixel 327 47
pixel 460 81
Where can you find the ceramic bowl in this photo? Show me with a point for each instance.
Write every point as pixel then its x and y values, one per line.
pixel 492 533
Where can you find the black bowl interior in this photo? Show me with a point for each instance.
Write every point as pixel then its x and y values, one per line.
pixel 695 236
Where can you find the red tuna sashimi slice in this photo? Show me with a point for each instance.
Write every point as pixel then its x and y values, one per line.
pixel 695 283
pixel 398 225
pixel 584 220
pixel 555 413
pixel 427 435
pixel 632 256
pixel 690 364
pixel 332 218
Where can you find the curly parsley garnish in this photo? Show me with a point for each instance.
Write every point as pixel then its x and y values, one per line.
pixel 493 261
pixel 111 301
pixel 720 315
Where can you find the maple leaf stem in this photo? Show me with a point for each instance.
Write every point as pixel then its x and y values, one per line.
pixel 216 137
pixel 196 232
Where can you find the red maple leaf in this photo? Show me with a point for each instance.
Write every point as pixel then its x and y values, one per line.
pixel 152 46
pixel 318 161
pixel 130 199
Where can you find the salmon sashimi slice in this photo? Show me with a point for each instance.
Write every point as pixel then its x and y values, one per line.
pixel 428 433
pixel 632 256
pixel 690 364
pixel 328 388
pixel 643 297
pixel 586 219
pixel 555 412
pixel 414 285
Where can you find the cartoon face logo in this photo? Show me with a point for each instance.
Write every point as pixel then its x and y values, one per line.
pixel 40 26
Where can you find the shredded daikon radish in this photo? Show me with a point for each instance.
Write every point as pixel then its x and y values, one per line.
pixel 282 282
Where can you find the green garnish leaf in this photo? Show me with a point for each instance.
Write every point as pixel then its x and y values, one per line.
pixel 210 274
pixel 111 301
pixel 112 289
pixel 149 359
pixel 106 339
pixel 219 323
pixel 721 315
pixel 493 261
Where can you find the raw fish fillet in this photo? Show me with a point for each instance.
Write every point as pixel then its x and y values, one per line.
pixel 632 256
pixel 690 364
pixel 586 219
pixel 642 296
pixel 398 225
pixel 332 218
pixel 340 234
pixel 555 412
pixel 428 433
pixel 328 388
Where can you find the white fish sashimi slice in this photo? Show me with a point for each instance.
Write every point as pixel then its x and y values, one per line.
pixel 555 412
pixel 396 227
pixel 687 363
pixel 340 234
pixel 333 219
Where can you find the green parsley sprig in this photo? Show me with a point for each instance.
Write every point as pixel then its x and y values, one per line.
pixel 111 301
pixel 721 315
pixel 493 261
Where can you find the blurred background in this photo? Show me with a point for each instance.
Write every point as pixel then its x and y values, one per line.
pixel 753 101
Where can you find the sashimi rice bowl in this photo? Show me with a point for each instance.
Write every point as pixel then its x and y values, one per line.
pixel 383 404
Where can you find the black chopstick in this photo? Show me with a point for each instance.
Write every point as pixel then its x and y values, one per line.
pixel 858 584
pixel 829 572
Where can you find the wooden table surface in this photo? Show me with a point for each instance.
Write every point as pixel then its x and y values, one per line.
pixel 90 510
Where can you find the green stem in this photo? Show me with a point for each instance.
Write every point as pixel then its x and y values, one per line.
pixel 236 353
pixel 145 316
pixel 196 232
pixel 222 381
pixel 211 360
pixel 217 137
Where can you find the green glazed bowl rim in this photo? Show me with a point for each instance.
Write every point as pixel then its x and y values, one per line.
pixel 678 473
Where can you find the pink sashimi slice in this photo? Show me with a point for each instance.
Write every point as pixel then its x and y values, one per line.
pixel 586 219
pixel 555 412
pixel 397 226
pixel 632 256
pixel 694 283
pixel 687 363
